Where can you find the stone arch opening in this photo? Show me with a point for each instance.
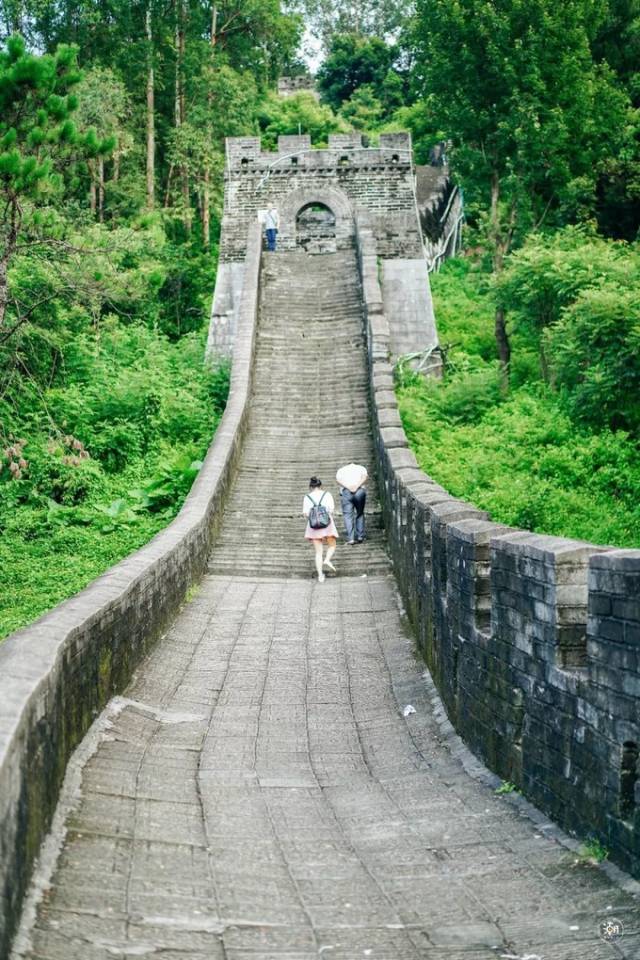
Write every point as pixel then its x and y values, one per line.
pixel 309 198
pixel 316 228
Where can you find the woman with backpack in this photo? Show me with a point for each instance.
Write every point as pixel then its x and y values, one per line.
pixel 318 508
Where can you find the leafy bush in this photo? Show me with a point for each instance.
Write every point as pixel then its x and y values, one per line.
pixel 288 115
pixel 595 350
pixel 126 434
pixel 551 270
pixel 464 310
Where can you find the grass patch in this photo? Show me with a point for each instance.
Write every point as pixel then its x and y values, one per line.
pixel 592 851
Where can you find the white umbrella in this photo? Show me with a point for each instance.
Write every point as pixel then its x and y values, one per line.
pixel 352 476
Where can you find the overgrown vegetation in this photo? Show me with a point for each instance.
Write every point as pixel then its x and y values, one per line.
pixel 93 467
pixel 540 457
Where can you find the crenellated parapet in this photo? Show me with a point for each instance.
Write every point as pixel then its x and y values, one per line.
pixel 304 83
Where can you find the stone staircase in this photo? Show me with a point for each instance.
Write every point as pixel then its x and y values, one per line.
pixel 310 415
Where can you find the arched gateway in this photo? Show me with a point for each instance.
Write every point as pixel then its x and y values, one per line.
pixel 316 229
pixel 316 220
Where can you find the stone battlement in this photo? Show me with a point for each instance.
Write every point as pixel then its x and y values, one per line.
pixel 245 154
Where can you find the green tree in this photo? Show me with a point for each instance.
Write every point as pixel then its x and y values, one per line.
pixel 595 350
pixel 352 62
pixel 530 115
pixel 281 115
pixel 36 103
pixel 103 105
pixel 618 42
pixel 363 110
pixel 378 18
pixel 551 270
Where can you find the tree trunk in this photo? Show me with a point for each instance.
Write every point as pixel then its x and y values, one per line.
pixel 7 253
pixel 93 193
pixel 499 249
pixel 151 119
pixel 17 18
pixel 206 176
pixel 167 193
pixel 206 202
pixel 180 103
pixel 101 189
pixel 502 339
pixel 4 286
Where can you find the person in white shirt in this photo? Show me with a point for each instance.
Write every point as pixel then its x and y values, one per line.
pixel 271 226
pixel 320 535
pixel 353 496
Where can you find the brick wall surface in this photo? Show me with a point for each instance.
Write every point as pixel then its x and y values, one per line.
pixel 56 675
pixel 533 641
pixel 379 181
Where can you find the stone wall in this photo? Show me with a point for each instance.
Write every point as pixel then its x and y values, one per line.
pixel 533 641
pixel 57 675
pixel 345 177
pixel 441 212
pixel 289 86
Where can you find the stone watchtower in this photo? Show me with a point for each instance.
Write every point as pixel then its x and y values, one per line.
pixel 289 86
pixel 322 195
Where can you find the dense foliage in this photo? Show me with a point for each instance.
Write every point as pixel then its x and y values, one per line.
pixel 539 458
pixel 325 19
pixel 95 465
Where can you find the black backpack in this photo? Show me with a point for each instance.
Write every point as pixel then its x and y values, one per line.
pixel 319 516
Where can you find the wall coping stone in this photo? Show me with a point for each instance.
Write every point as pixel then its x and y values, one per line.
pixel 544 546
pixel 476 530
pixel 619 560
pixel 402 457
pixel 444 510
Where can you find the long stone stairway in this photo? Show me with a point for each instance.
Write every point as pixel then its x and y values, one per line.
pixel 309 416
pixel 257 793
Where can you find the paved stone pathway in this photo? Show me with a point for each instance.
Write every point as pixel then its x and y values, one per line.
pixel 258 794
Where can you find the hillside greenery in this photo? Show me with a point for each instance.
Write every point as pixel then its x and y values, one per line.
pixel 556 454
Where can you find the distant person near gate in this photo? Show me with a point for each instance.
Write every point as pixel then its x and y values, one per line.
pixel 271 226
pixel 318 508
pixel 353 496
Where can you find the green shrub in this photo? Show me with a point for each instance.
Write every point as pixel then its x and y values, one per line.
pixel 595 350
pixel 464 309
pixel 126 429
pixel 531 458
pixel 548 273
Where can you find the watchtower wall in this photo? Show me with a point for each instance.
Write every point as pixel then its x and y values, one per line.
pixel 353 181
pixel 378 180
